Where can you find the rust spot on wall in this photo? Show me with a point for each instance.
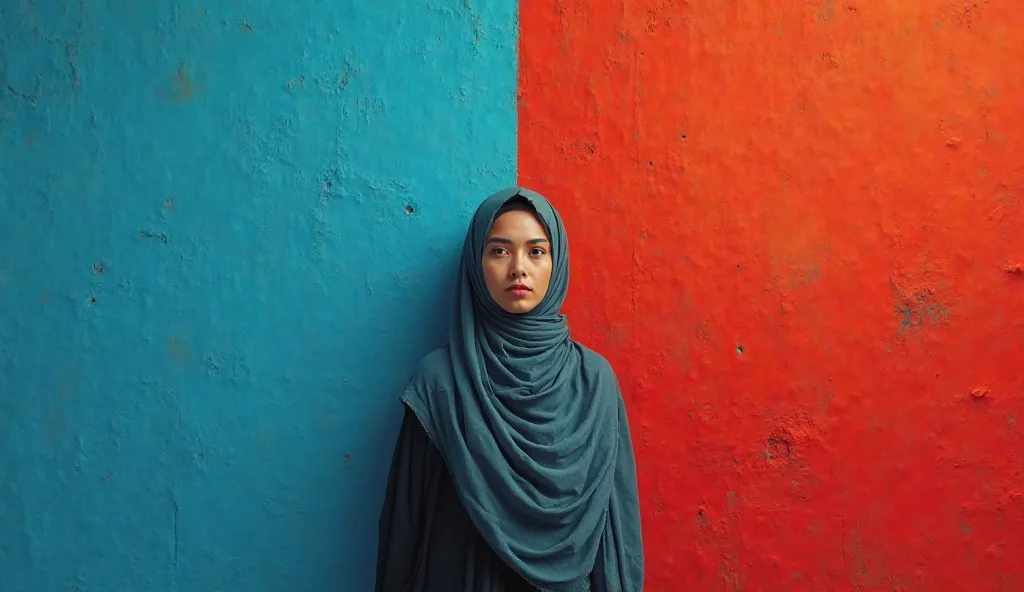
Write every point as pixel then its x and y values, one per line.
pixel 181 85
pixel 178 350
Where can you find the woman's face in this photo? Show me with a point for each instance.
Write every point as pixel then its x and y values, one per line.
pixel 517 261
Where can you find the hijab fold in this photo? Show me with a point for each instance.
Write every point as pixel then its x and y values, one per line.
pixel 528 421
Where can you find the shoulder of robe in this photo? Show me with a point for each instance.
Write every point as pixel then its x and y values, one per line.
pixel 593 361
pixel 596 369
pixel 432 373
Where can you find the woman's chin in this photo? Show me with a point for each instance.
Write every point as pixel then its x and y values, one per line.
pixel 518 305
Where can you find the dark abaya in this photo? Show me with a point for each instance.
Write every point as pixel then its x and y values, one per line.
pixel 427 541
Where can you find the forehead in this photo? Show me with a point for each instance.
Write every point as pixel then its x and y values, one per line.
pixel 518 223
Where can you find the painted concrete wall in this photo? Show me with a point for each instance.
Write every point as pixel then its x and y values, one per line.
pixel 798 235
pixel 226 234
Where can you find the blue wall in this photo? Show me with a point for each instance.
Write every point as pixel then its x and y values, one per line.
pixel 227 232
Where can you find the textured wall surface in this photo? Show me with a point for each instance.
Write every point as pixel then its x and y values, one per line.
pixel 226 235
pixel 227 230
pixel 798 234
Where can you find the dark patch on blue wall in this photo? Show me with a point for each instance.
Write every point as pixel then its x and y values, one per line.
pixel 226 238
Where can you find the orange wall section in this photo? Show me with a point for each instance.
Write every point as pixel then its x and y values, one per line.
pixel 798 235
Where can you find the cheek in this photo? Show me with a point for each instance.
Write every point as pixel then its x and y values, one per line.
pixel 492 273
pixel 544 271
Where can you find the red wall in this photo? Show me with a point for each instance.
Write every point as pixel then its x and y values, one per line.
pixel 798 234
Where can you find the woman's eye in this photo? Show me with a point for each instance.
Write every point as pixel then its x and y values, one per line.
pixel 538 252
pixel 498 251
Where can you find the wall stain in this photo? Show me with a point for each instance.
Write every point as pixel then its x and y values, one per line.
pixel 178 350
pixel 181 85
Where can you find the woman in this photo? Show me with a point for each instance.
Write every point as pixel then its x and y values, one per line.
pixel 514 468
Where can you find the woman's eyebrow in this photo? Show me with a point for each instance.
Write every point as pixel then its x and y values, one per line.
pixel 505 241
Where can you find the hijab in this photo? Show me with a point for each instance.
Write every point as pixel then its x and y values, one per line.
pixel 527 420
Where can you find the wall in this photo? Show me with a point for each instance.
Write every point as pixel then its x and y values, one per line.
pixel 226 234
pixel 798 234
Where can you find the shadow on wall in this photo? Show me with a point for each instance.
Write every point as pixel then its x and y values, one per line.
pixel 227 236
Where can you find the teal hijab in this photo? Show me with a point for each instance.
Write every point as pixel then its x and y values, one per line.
pixel 530 425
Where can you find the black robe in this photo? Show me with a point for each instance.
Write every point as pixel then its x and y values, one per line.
pixel 427 541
